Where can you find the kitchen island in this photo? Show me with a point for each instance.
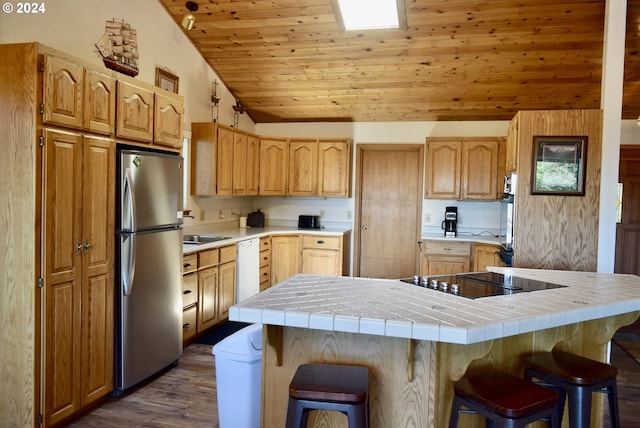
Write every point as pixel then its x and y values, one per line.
pixel 417 341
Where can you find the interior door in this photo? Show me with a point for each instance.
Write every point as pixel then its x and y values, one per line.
pixel 627 258
pixel 388 210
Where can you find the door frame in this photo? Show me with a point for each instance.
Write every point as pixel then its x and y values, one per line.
pixel 357 222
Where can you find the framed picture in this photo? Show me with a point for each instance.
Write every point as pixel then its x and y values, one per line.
pixel 166 80
pixel 559 166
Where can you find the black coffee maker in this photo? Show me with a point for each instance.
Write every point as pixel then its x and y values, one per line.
pixel 450 220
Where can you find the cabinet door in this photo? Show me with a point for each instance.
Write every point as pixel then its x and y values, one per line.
pixel 285 257
pixel 480 170
pixel 167 120
pixel 443 169
pixel 62 92
pixel 62 220
pixel 240 166
pixel 438 265
pixel 513 137
pixel 225 161
pixel 98 178
pixel 485 255
pixel 134 115
pixel 303 168
pixel 274 166
pixel 207 298
pixel 99 102
pixel 321 262
pixel 226 290
pixel 334 169
pixel 204 157
pixel 253 165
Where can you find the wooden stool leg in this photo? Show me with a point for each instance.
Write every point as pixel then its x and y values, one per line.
pixel 612 394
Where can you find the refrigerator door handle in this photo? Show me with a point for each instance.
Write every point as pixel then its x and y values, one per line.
pixel 129 262
pixel 128 202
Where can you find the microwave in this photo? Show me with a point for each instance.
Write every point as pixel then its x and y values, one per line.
pixel 309 222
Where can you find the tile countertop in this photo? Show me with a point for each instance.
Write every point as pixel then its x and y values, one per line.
pixel 393 308
pixel 237 234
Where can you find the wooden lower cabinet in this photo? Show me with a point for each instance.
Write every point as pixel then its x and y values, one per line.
pixel 208 298
pixel 446 257
pixel 265 262
pixel 485 255
pixel 285 257
pixel 77 295
pixel 322 255
pixel 227 281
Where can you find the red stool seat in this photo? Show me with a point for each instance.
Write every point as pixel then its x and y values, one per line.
pixel 503 400
pixel 576 377
pixel 329 387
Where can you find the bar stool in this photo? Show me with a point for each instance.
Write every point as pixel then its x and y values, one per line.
pixel 504 400
pixel 576 377
pixel 329 387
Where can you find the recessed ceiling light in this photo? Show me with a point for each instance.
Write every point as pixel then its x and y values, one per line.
pixel 369 14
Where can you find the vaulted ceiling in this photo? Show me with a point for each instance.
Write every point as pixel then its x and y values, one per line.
pixel 287 60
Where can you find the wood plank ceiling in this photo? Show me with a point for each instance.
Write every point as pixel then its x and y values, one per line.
pixel 287 60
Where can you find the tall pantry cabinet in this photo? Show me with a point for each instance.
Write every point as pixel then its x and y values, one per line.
pixel 57 299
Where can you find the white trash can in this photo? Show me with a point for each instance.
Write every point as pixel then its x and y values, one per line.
pixel 238 360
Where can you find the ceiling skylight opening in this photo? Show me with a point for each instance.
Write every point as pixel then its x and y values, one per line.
pixel 370 14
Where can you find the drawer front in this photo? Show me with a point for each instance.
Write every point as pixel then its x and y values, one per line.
pixel 265 243
pixel 228 254
pixel 265 258
pixel 189 289
pixel 189 323
pixel 189 263
pixel 208 258
pixel 321 242
pixel 444 248
pixel 265 275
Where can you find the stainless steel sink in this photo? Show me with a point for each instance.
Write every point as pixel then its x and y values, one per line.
pixel 202 239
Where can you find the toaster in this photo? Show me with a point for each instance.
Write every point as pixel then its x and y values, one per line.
pixel 255 219
pixel 309 222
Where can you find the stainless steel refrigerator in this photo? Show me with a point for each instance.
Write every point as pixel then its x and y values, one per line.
pixel 149 257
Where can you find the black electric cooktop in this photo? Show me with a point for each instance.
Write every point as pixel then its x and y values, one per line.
pixel 480 284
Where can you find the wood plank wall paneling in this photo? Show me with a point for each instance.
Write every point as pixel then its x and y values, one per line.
pixel 18 221
pixel 558 232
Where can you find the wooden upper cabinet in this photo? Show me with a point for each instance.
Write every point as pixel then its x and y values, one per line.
pixel 334 169
pixel 204 158
pixel 443 169
pixel 464 168
pixel 225 148
pixel 99 102
pixel 274 166
pixel 167 120
pixel 479 170
pixel 63 84
pixel 253 165
pixel 513 137
pixel 240 163
pixel 303 168
pixel 135 108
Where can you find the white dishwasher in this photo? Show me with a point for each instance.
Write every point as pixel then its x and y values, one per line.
pixel 248 269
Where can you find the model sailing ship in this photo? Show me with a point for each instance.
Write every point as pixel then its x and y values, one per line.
pixel 118 47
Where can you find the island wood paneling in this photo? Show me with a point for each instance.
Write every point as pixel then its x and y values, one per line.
pixel 19 221
pixel 424 401
pixel 557 232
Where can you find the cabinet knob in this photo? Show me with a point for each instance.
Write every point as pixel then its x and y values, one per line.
pixel 186 326
pixel 78 247
pixel 87 246
pixel 320 242
pixel 365 227
pixel 186 265
pixel 186 292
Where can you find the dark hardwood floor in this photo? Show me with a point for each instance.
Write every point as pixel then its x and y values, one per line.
pixel 186 396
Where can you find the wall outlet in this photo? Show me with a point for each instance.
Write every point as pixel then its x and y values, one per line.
pixel 349 215
pixel 427 218
pixel 321 213
pixel 202 212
